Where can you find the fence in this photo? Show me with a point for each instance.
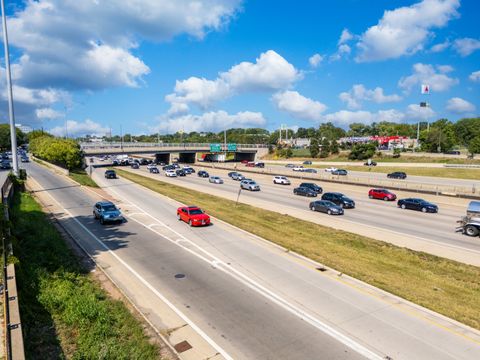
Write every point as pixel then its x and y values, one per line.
pixel 129 145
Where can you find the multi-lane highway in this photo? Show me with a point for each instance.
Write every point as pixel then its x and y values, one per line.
pixel 250 298
pixel 434 233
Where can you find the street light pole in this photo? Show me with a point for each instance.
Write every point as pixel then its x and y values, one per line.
pixel 13 132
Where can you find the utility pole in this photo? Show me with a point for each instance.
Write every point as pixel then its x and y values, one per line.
pixel 13 130
pixel 121 137
pixel 225 143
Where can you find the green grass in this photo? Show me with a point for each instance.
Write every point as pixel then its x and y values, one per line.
pixel 65 313
pixel 82 178
pixel 445 286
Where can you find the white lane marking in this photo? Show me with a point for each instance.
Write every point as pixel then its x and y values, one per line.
pixel 325 328
pixel 146 283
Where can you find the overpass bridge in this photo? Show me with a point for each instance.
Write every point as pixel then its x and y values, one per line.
pixel 186 152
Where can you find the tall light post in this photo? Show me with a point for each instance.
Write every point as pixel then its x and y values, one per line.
pixel 13 132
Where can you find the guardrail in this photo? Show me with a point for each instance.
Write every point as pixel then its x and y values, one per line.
pixel 129 145
pixel 437 189
pixel 14 347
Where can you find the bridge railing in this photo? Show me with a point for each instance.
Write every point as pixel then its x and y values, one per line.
pixel 127 145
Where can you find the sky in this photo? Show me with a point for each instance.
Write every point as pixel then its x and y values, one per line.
pixel 148 66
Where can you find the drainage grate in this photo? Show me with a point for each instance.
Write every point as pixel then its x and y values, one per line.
pixel 322 269
pixel 179 276
pixel 182 346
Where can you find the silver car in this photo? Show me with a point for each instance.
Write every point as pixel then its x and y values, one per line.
pixel 215 180
pixel 250 185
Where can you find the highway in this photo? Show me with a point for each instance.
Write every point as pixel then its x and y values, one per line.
pixel 370 217
pixel 249 297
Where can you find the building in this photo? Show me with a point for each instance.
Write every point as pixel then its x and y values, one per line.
pixel 24 128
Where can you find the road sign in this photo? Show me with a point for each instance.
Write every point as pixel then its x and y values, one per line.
pixel 215 148
pixel 232 147
pixel 425 89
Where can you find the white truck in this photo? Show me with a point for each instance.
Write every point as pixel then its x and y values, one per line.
pixel 470 224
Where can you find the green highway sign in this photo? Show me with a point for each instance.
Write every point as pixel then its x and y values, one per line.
pixel 232 147
pixel 215 148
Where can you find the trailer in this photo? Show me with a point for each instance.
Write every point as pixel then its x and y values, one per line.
pixel 470 224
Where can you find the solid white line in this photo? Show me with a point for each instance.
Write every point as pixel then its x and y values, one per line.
pixel 327 329
pixel 148 285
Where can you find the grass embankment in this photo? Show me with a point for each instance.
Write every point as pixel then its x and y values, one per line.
pixel 453 173
pixel 445 286
pixel 65 314
pixel 82 178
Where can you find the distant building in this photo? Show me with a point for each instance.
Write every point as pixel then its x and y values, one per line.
pixel 301 142
pixel 24 128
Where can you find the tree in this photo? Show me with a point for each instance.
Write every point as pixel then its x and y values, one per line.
pixel 474 146
pixel 36 134
pixel 334 147
pixel 325 148
pixel 467 129
pixel 362 151
pixel 62 152
pixel 440 138
pixel 331 132
pixel 5 143
pixel 314 147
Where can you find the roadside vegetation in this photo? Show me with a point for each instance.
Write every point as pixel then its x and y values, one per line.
pixel 82 178
pixel 442 285
pixel 65 313
pixel 62 152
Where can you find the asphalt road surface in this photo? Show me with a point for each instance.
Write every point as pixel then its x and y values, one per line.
pixel 251 298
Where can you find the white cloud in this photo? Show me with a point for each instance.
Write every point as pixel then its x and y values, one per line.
pixel 440 47
pixel 75 129
pixel 466 46
pixel 345 37
pixel 359 93
pixel 405 30
pixel 177 109
pixel 460 106
pixel 298 106
pixel 211 121
pixel 444 69
pixel 426 74
pixel 315 60
pixel 343 50
pixel 418 113
pixel 48 113
pixel 345 117
pixel 475 76
pixel 270 72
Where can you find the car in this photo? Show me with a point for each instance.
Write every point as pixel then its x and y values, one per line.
pixel 135 165
pixel 397 175
pixel 106 211
pixel 231 173
pixel 24 159
pixel 417 204
pixel 304 191
pixel 215 180
pixel 189 170
pixel 193 216
pixel 170 173
pixel 312 186
pixel 203 173
pixel 244 162
pixel 310 170
pixel 371 163
pixel 238 177
pixel 250 164
pixel 298 168
pixel 326 206
pixel 110 174
pixel 250 185
pixel 283 180
pixel 154 170
pixel 382 194
pixel 339 199
pixel 149 166
pixel 307 162
pixel 5 165
pixel 260 164
pixel 180 172
pixel 144 161
pixel 342 172
pixel 115 162
pixel 168 167
pixel 330 169
pixel 290 166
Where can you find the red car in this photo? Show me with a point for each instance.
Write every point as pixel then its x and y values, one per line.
pixel 193 215
pixel 250 164
pixel 382 194
pixel 244 161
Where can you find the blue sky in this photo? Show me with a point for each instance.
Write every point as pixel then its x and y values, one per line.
pixel 158 65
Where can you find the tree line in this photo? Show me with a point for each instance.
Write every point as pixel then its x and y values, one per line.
pixel 62 152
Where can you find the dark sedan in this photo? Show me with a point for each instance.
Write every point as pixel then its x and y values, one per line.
pixel 304 191
pixel 339 199
pixel 339 172
pixel 397 175
pixel 180 172
pixel 135 165
pixel 417 204
pixel 326 206
pixel 154 170
pixel 110 174
pixel 203 173
pixel 313 187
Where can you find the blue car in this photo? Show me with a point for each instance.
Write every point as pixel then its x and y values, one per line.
pixel 106 211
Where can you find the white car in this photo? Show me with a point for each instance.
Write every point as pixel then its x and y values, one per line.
pixel 151 166
pixel 298 168
pixel 250 185
pixel 215 180
pixel 283 180
pixel 330 169
pixel 170 173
